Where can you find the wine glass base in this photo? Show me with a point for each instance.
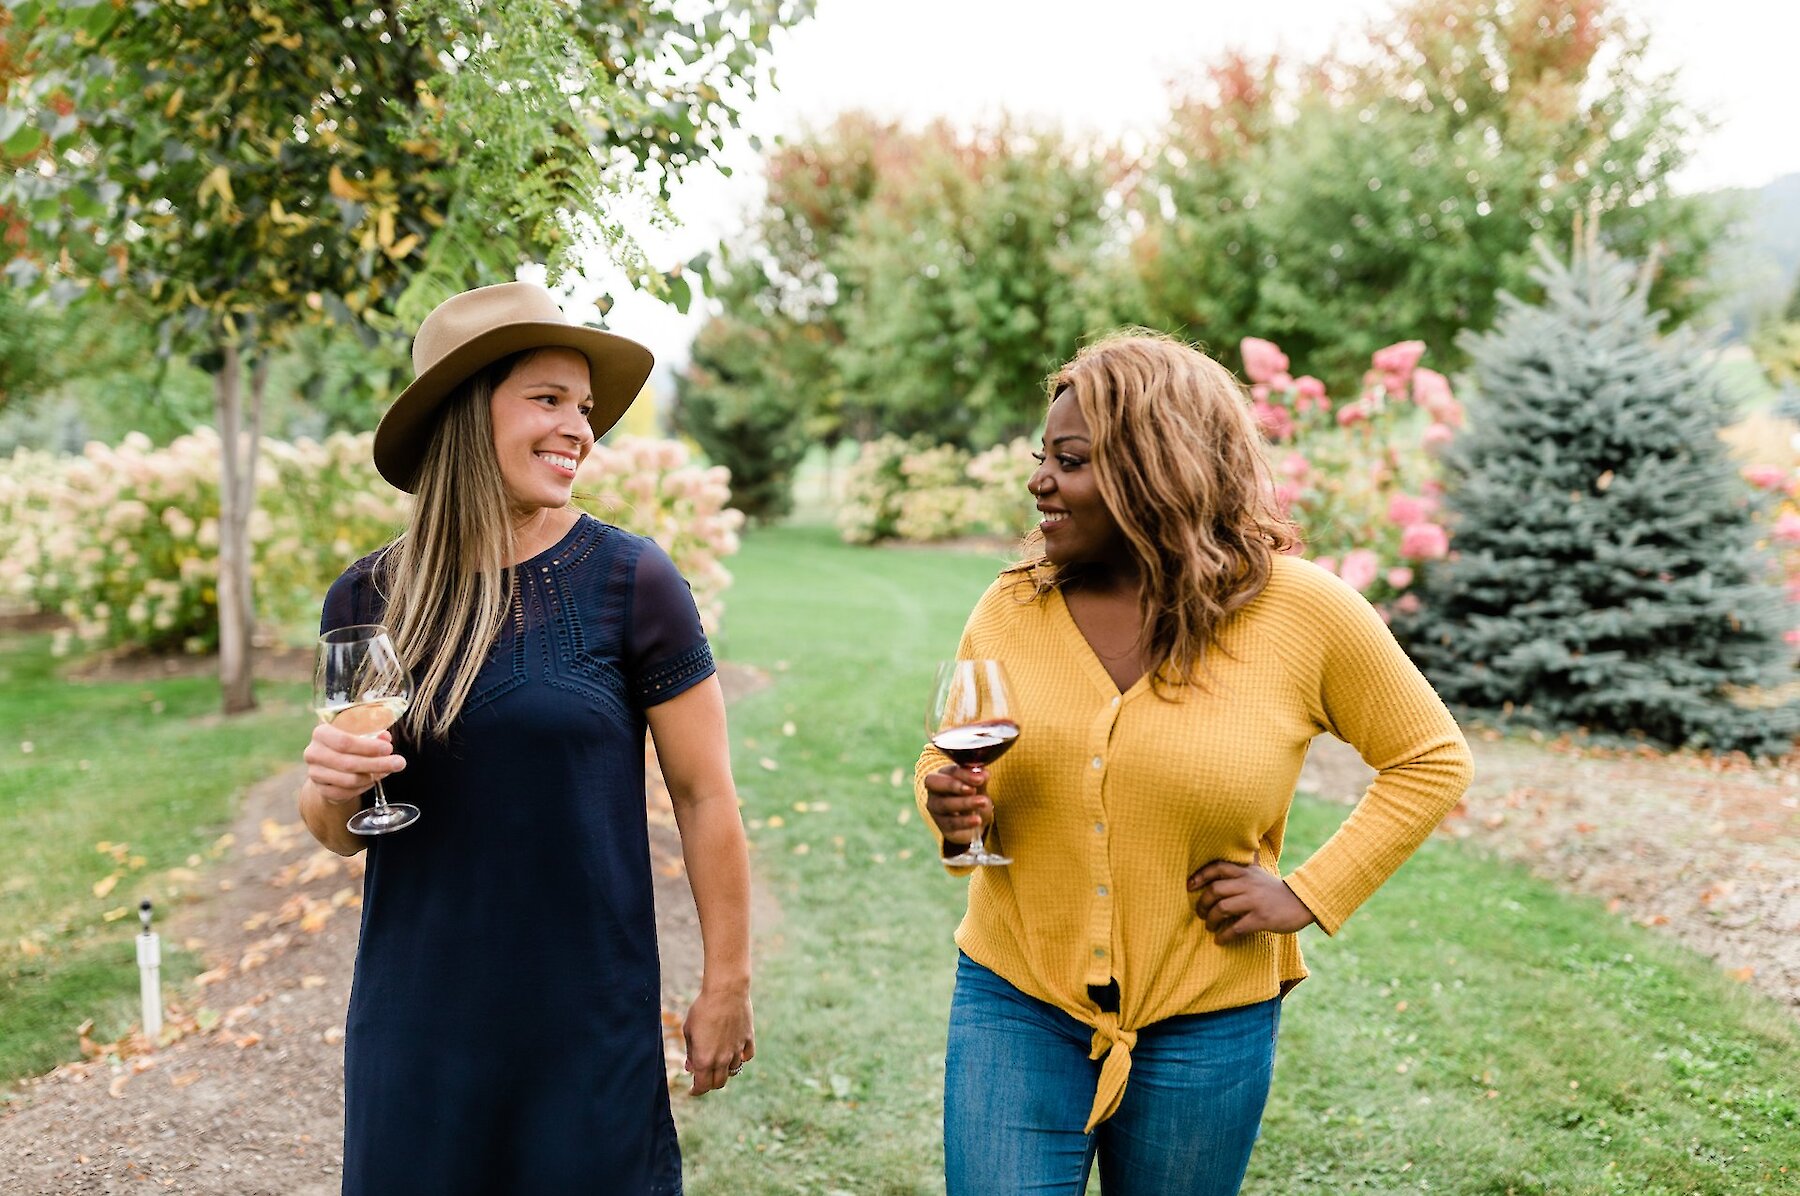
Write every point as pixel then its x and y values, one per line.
pixel 978 859
pixel 382 820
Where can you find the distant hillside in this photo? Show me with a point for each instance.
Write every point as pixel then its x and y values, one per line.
pixel 1757 268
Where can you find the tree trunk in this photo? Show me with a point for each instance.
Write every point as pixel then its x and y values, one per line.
pixel 237 498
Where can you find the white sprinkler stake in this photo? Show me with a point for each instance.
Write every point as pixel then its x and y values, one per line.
pixel 149 953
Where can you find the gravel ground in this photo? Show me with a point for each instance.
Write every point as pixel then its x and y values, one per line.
pixel 249 1100
pixel 1707 851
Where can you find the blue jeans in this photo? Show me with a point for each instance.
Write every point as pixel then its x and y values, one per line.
pixel 1018 1085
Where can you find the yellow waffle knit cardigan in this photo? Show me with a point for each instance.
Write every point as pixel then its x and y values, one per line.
pixel 1108 801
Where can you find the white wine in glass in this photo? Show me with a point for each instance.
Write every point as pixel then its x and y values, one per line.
pixel 361 687
pixel 973 721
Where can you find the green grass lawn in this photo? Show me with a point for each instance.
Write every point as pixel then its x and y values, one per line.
pixel 145 767
pixel 1471 1031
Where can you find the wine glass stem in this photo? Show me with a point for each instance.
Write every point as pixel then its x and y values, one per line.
pixel 380 796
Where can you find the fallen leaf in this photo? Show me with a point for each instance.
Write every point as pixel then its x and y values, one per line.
pixel 214 976
pixel 789 729
pixel 184 1079
pixel 248 1040
pixel 106 885
pixel 257 920
pixel 117 1087
pixel 1742 975
pixel 29 948
pixel 905 815
pixel 332 1036
pixel 776 820
pixel 768 764
pixel 252 958
pixel 897 778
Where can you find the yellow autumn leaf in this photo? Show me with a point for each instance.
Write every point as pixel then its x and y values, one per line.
pixel 384 227
pixel 217 182
pixel 403 246
pixel 105 885
pixel 285 218
pixel 113 915
pixel 29 948
pixel 343 188
pixel 174 104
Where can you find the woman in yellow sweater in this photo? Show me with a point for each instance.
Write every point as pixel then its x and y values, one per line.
pixel 1119 986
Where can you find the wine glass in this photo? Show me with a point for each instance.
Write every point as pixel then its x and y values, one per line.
pixel 361 686
pixel 973 721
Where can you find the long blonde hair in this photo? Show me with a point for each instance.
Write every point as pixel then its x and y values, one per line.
pixel 445 578
pixel 1179 462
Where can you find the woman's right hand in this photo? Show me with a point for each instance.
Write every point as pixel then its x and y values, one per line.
pixel 956 802
pixel 342 766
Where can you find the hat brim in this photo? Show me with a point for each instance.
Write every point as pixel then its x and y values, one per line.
pixel 617 370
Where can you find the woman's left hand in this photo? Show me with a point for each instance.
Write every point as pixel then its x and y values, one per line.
pixel 1239 900
pixel 720 1038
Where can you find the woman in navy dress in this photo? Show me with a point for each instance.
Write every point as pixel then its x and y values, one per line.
pixel 505 1031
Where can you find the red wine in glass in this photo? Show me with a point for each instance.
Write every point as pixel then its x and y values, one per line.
pixel 977 743
pixel 973 721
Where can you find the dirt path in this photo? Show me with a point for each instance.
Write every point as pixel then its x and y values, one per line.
pixel 249 1101
pixel 1704 851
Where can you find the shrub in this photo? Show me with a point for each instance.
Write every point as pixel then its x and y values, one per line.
pixel 122 540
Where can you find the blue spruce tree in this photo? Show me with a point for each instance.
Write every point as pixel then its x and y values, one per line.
pixel 1605 573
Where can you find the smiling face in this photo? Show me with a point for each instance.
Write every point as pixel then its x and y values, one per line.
pixel 541 430
pixel 1078 528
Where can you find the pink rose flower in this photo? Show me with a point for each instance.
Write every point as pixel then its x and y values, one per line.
pixel 1408 604
pixel 1310 387
pixel 1399 577
pixel 1351 413
pixel 1424 542
pixel 1787 528
pixel 1397 361
pixel 1262 360
pixel 1766 477
pixel 1406 510
pixel 1296 466
pixel 1327 563
pixel 1360 568
pixel 1431 390
pixel 1438 435
pixel 1281 381
pixel 1275 421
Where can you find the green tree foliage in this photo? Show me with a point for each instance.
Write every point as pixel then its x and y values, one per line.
pixel 968 275
pixel 1605 572
pixel 344 165
pixel 748 397
pixel 912 282
pixel 1399 188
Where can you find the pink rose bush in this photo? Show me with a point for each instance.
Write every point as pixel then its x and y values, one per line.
pixel 654 488
pixel 1360 476
pixel 122 540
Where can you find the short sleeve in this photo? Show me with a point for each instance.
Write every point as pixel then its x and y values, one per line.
pixel 666 652
pixel 349 600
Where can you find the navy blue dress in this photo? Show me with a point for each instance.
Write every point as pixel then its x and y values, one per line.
pixel 505 1030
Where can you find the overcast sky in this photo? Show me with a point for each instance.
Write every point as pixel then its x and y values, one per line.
pixel 1103 67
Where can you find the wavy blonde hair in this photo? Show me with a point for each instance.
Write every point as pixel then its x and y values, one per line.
pixel 445 578
pixel 1179 462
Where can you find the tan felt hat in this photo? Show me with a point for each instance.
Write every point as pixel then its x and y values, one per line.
pixel 467 333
